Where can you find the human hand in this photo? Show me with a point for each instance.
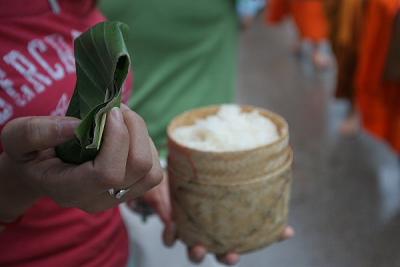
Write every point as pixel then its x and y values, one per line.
pixel 198 252
pixel 30 169
pixel 159 199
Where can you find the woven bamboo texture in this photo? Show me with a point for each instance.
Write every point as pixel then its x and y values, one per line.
pixel 230 200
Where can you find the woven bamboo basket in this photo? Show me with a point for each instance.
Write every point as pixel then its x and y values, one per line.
pixel 230 200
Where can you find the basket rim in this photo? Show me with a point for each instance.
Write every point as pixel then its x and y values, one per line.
pixel 283 132
pixel 282 168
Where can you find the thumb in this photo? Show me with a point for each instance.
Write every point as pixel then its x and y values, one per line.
pixel 24 136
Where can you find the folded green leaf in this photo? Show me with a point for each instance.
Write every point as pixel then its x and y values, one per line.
pixel 102 64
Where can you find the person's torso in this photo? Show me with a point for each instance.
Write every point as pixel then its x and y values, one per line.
pixel 37 78
pixel 184 55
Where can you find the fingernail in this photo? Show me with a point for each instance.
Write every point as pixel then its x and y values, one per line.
pixel 116 114
pixel 124 107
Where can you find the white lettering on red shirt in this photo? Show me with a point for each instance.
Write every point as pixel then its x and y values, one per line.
pixel 75 34
pixel 28 70
pixel 24 94
pixel 38 74
pixel 35 48
pixel 64 51
pixel 20 99
pixel 6 111
pixel 62 106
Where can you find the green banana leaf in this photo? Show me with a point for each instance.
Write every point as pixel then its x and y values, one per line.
pixel 102 64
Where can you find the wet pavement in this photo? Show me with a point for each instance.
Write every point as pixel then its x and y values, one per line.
pixel 345 203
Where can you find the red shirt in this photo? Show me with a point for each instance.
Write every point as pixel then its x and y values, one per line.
pixel 37 77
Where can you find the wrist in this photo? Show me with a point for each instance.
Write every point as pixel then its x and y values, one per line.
pixel 15 196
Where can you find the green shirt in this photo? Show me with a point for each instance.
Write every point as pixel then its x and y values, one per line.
pixel 183 55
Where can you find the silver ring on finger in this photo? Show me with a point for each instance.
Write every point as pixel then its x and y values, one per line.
pixel 118 193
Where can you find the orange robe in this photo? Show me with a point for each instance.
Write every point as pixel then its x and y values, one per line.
pixel 345 22
pixel 377 100
pixel 309 17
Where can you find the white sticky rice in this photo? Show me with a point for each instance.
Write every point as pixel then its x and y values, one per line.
pixel 228 130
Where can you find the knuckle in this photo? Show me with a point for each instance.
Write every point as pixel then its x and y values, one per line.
pixel 31 132
pixel 154 178
pixel 36 135
pixel 141 163
pixel 17 128
pixel 110 177
pixel 135 118
pixel 139 120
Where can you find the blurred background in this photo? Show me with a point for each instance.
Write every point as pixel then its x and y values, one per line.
pixel 345 203
pixel 331 68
